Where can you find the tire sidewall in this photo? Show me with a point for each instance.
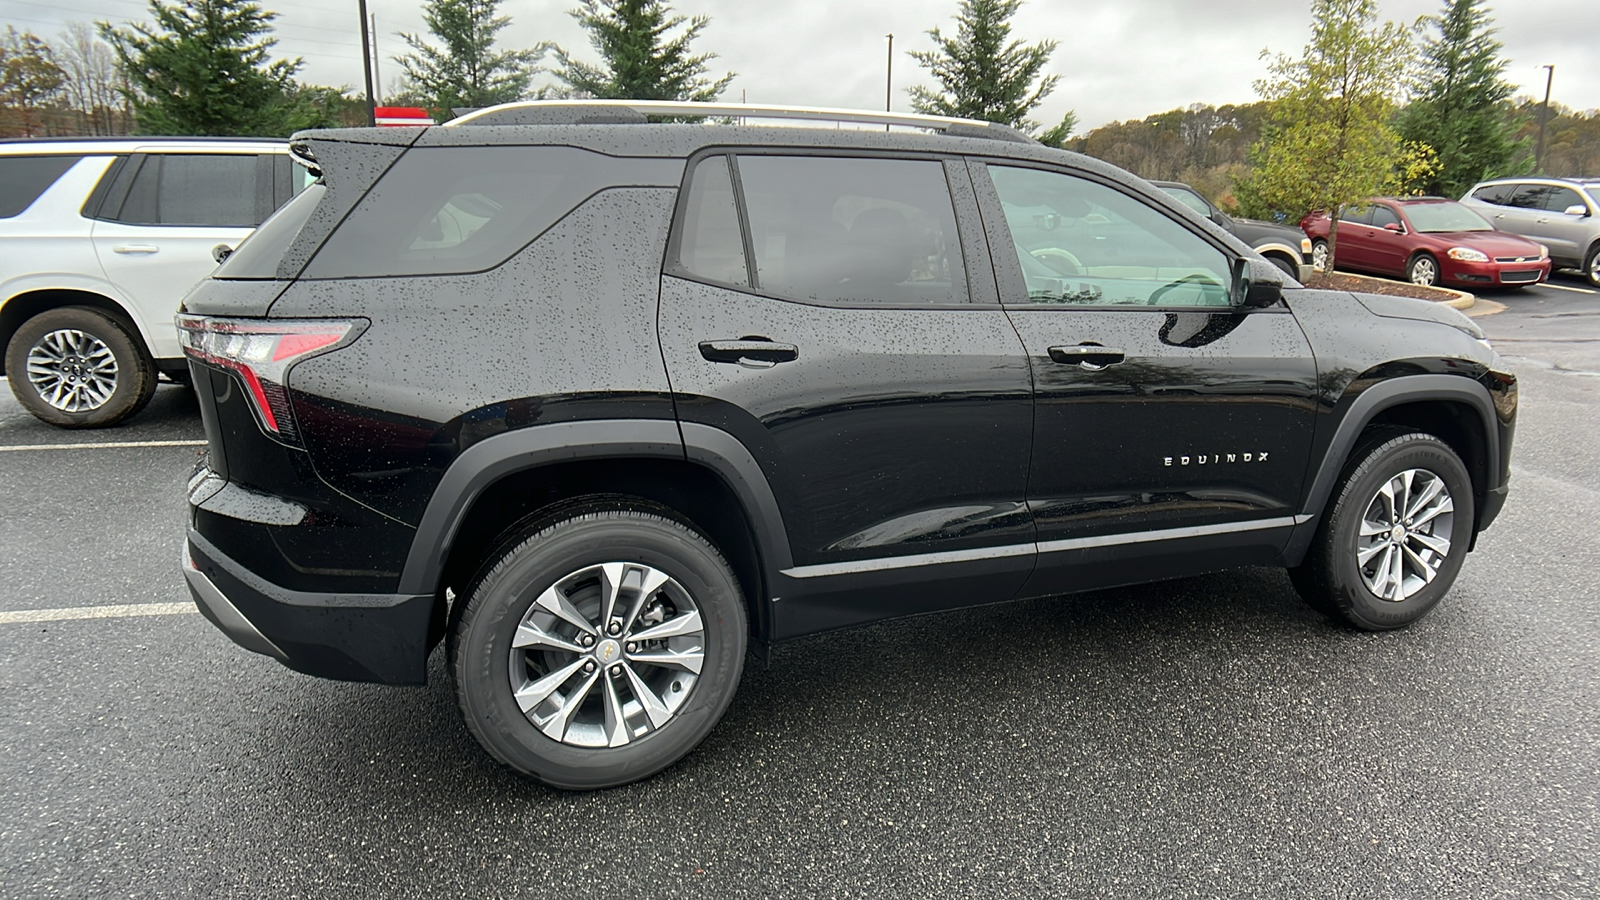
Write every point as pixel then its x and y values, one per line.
pixel 1354 599
pixel 481 647
pixel 1411 268
pixel 135 372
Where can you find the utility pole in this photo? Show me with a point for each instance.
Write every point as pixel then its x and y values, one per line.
pixel 888 79
pixel 1544 113
pixel 366 64
pixel 377 75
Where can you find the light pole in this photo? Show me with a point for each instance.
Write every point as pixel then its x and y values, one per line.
pixel 366 64
pixel 1544 113
pixel 888 78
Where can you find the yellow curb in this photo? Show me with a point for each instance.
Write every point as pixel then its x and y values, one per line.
pixel 1486 308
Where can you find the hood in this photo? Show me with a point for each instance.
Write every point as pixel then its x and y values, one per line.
pixel 1493 243
pixel 1418 310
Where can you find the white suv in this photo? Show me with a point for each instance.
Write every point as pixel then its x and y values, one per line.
pixel 99 241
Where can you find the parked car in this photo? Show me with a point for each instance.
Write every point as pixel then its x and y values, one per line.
pixel 99 241
pixel 1561 213
pixel 1284 246
pixel 605 403
pixel 1428 241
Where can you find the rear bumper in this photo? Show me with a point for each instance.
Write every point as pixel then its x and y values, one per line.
pixel 349 637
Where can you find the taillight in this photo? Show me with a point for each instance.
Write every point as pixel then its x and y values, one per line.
pixel 260 352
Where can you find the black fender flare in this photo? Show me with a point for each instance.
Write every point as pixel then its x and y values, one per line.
pixel 1367 405
pixel 491 459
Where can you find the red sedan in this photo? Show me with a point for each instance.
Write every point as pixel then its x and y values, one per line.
pixel 1428 240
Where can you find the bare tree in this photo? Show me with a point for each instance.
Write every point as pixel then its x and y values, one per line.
pixel 92 79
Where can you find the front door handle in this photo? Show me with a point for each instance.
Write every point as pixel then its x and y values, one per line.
pixel 752 353
pixel 1088 356
pixel 136 248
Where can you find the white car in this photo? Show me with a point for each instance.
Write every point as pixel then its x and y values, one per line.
pixel 99 241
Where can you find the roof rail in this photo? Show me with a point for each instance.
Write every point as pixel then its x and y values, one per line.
pixel 595 112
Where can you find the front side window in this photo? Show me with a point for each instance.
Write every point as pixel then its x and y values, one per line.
pixel 853 231
pixel 216 190
pixel 1560 198
pixel 1383 215
pixel 1082 242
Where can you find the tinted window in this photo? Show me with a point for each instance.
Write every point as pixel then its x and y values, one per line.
pixel 1530 196
pixel 1383 215
pixel 206 189
pixel 1079 241
pixel 449 210
pixel 24 178
pixel 711 246
pixel 1191 200
pixel 853 231
pixel 1560 198
pixel 1361 215
pixel 258 255
pixel 1498 194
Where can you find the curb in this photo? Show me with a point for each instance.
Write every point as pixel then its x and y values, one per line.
pixel 1460 300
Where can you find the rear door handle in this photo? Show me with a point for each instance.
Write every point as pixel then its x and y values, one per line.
pixel 135 248
pixel 1088 356
pixel 755 354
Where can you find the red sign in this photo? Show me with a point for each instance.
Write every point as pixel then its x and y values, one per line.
pixel 402 115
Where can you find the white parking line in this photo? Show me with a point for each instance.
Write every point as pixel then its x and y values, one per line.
pixel 1562 287
pixel 103 445
pixel 26 616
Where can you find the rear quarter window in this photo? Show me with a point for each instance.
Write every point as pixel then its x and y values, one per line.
pixel 24 178
pixel 455 210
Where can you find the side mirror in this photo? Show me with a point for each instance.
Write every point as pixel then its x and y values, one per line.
pixel 1251 294
pixel 1392 226
pixel 221 252
pixel 1577 209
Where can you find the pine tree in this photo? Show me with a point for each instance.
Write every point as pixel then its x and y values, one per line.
pixel 639 61
pixel 1458 100
pixel 1328 143
pixel 985 75
pixel 204 69
pixel 467 71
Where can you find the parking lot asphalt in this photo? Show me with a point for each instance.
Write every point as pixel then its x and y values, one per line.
pixel 1209 737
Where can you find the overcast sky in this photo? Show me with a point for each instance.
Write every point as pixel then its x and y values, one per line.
pixel 1125 59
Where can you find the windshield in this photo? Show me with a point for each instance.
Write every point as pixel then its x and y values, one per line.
pixel 1437 217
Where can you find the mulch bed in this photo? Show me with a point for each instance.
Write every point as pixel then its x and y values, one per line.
pixel 1339 282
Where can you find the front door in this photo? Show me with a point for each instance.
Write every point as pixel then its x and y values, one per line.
pixel 1171 428
pixel 888 405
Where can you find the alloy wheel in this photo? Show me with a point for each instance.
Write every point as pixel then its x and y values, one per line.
pixel 72 370
pixel 1319 256
pixel 1424 271
pixel 1405 534
pixel 607 654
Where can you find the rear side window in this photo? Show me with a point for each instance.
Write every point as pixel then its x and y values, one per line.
pixel 712 246
pixel 215 190
pixel 453 210
pixel 1498 194
pixel 1361 215
pixel 24 178
pixel 257 257
pixel 853 231
pixel 1530 196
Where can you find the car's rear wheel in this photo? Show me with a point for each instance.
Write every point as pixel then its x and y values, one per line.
pixel 598 648
pixel 1424 270
pixel 1319 255
pixel 77 367
pixel 1591 265
pixel 1395 534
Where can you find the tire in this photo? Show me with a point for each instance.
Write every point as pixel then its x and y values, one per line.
pixel 1591 265
pixel 1288 268
pixel 518 633
pixel 1424 270
pixel 77 367
pixel 1319 255
pixel 1343 567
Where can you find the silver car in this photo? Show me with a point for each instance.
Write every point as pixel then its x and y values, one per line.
pixel 1561 213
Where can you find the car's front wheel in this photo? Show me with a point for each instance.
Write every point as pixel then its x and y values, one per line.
pixel 1395 533
pixel 1319 255
pixel 599 647
pixel 1424 270
pixel 1591 265
pixel 77 367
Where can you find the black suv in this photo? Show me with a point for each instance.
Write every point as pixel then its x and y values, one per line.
pixel 607 402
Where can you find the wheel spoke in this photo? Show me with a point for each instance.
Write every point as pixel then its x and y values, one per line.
pixel 1370 528
pixel 611 575
pixel 653 707
pixel 616 724
pixel 556 725
pixel 1387 493
pixel 1426 571
pixel 1397 574
pixel 536 693
pixel 652 582
pixel 1379 583
pixel 1424 497
pixel 1433 542
pixel 687 660
pixel 1365 556
pixel 531 635
pixel 556 602
pixel 685 623
pixel 1438 509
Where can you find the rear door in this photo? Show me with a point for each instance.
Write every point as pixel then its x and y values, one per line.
pixel 1355 250
pixel 162 218
pixel 1386 249
pixel 883 392
pixel 1171 429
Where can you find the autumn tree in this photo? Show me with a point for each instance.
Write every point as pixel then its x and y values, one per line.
pixel 640 57
pixel 1458 99
pixel 29 75
pixel 466 70
pixel 985 74
pixel 92 81
pixel 1329 143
